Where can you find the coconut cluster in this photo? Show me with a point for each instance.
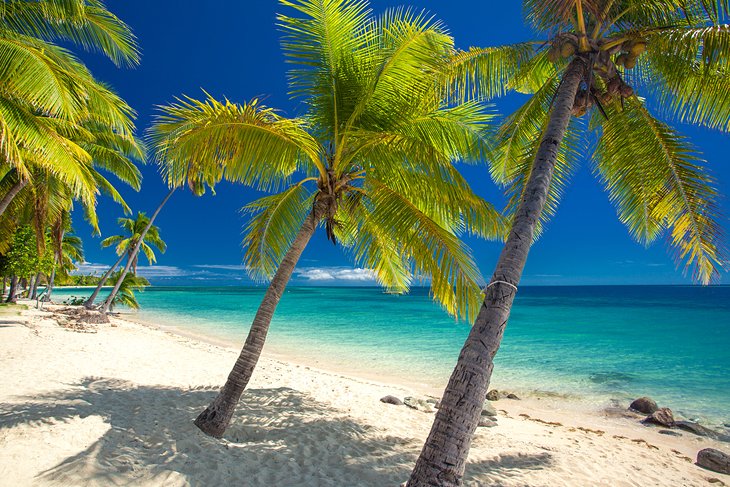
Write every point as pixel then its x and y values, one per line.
pixel 606 83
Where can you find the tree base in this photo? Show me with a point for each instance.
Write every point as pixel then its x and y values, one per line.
pixel 215 419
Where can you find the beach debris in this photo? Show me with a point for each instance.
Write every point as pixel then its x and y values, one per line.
pixel 418 404
pixel 662 417
pixel 700 430
pixel 493 395
pixel 513 396
pixel 488 410
pixel 391 400
pixel 486 423
pixel 644 405
pixel 714 460
pixel 715 480
pixel 669 433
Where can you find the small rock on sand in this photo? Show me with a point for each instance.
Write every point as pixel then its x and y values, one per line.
pixel 488 410
pixel 714 460
pixel 493 395
pixel 486 423
pixel 418 404
pixel 663 417
pixel 391 400
pixel 644 405
pixel 513 396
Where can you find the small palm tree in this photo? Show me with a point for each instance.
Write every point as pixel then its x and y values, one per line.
pixel 126 296
pixel 139 230
pixel 598 55
pixel 133 232
pixel 374 159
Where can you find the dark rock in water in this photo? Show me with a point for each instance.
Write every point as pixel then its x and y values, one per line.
pixel 670 433
pixel 663 417
pixel 488 410
pixel 418 404
pixel 644 405
pixel 714 460
pixel 486 423
pixel 513 396
pixel 493 395
pixel 700 430
pixel 391 400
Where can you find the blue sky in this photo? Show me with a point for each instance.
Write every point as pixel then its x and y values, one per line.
pixel 231 48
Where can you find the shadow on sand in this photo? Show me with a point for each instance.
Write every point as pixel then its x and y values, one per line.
pixel 279 437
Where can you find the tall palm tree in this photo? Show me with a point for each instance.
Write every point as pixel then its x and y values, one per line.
pixel 49 97
pixel 136 230
pixel 598 55
pixel 374 159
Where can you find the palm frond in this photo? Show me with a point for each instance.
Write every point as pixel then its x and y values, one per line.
pixel 207 140
pixel 273 224
pixel 658 181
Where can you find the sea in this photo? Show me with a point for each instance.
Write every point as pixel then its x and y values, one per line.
pixel 595 345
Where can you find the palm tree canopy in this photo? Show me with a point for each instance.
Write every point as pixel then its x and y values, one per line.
pixel 651 63
pixel 375 149
pixel 133 228
pixel 55 118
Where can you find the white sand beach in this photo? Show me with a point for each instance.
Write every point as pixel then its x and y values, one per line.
pixel 115 407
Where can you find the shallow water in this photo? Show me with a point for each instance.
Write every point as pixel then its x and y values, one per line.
pixel 595 343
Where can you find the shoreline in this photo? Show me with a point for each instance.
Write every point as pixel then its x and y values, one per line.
pixel 120 402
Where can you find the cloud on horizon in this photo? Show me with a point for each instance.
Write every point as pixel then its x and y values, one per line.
pixel 334 274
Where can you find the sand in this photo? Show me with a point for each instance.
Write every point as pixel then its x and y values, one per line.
pixel 115 407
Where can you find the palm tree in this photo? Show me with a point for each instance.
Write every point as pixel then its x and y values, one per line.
pixel 139 229
pixel 67 248
pixel 135 251
pixel 130 284
pixel 599 52
pixel 374 159
pixel 49 97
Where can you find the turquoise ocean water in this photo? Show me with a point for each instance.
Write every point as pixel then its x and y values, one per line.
pixel 590 343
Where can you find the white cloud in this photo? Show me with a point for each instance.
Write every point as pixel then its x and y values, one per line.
pixel 335 274
pixel 222 267
pixel 91 268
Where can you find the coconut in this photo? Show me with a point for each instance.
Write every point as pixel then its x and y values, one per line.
pixel 567 49
pixel 638 48
pixel 630 62
pixel 626 90
pixel 621 59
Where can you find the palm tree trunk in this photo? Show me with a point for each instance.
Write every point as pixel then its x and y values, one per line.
pixel 8 198
pixel 89 303
pixel 29 286
pixel 34 286
pixel 5 285
pixel 217 416
pixel 13 290
pixel 107 304
pixel 443 458
pixel 51 280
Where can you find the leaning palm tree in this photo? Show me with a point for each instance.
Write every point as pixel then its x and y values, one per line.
pixel 136 230
pixel 584 79
pixel 373 159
